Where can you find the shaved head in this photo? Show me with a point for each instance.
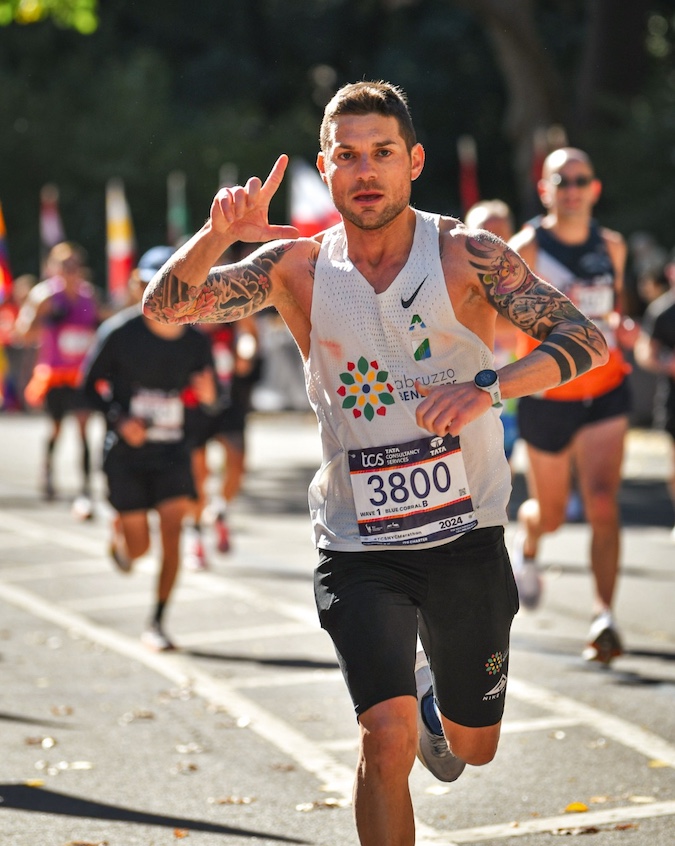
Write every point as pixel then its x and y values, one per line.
pixel 559 158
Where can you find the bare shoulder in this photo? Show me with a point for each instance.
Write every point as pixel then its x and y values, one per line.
pixel 524 241
pixel 615 241
pixel 618 252
pixel 611 236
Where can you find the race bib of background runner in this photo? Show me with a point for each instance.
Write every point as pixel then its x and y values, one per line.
pixel 411 493
pixel 163 414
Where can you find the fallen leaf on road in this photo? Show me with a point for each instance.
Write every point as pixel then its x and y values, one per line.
pixel 188 748
pixel 573 832
pixel 322 804
pixel 576 808
pixel 137 714
pixel 231 800
pixel 184 767
pixel 181 832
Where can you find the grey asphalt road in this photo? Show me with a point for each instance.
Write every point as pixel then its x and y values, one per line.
pixel 246 735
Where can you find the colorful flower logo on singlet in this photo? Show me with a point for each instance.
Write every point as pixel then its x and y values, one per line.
pixel 365 389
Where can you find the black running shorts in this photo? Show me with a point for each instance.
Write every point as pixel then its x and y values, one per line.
pixel 140 479
pixel 463 597
pixel 64 400
pixel 550 425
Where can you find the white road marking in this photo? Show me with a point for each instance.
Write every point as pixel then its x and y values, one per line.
pixel 562 823
pixel 634 737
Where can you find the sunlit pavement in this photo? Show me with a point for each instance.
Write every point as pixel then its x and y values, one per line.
pixel 246 734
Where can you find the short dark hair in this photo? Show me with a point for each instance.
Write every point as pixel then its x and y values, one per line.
pixel 364 98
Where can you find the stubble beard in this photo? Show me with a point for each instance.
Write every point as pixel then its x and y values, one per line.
pixel 365 220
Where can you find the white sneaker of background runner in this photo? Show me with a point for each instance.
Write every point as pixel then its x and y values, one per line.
pixel 526 574
pixel 194 554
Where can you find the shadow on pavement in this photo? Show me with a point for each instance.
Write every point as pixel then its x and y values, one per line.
pixel 287 663
pixel 34 721
pixel 23 798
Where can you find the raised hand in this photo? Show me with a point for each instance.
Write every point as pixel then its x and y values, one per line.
pixel 243 211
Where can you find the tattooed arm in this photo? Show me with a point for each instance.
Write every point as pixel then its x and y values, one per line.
pixel 188 288
pixel 571 344
pixel 484 275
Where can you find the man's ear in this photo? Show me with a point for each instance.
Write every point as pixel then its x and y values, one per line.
pixel 544 191
pixel 417 156
pixel 321 165
pixel 596 188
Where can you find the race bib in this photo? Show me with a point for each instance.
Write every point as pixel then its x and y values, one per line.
pixel 163 414
pixel 597 303
pixel 74 341
pixel 411 493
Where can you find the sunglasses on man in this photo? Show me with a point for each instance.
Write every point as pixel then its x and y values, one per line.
pixel 564 182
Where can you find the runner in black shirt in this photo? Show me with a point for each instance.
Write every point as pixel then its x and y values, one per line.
pixel 142 377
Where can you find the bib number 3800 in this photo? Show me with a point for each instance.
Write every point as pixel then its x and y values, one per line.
pixel 411 493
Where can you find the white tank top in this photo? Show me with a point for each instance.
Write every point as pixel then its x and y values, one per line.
pixel 384 481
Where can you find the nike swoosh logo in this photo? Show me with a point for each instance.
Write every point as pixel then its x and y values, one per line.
pixel 408 303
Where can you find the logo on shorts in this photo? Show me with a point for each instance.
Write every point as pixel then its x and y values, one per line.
pixel 493 666
pixel 497 690
pixel 495 662
pixel 366 389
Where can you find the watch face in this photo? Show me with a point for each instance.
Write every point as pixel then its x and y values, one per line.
pixel 485 378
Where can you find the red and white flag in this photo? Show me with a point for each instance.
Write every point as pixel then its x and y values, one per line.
pixel 311 209
pixel 469 192
pixel 51 226
pixel 121 244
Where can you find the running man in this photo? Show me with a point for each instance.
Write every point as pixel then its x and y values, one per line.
pixel 579 426
pixel 394 311
pixel 141 375
pixel 61 316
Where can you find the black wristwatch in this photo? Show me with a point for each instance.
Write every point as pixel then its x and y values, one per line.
pixel 488 381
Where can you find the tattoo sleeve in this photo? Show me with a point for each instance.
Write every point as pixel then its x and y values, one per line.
pixel 228 293
pixel 536 307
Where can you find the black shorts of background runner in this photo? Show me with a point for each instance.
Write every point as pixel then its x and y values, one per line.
pixel 65 400
pixel 463 597
pixel 141 478
pixel 550 425
pixel 201 427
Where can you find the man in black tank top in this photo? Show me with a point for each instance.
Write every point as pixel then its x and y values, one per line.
pixel 577 430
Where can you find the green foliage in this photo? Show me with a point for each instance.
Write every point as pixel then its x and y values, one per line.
pixel 80 15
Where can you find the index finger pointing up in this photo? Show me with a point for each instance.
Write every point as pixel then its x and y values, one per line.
pixel 275 178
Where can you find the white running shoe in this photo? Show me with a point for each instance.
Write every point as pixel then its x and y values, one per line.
pixel 604 643
pixel 194 556
pixel 432 749
pixel 156 640
pixel 83 508
pixel 526 574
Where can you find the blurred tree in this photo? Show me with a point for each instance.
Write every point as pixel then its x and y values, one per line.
pixel 81 15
